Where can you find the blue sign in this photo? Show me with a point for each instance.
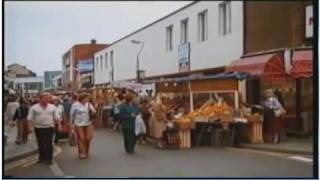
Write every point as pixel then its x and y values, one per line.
pixel 184 57
pixel 85 65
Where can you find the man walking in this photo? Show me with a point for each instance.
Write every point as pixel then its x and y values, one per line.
pixel 43 116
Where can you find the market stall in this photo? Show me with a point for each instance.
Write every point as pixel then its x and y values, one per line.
pixel 211 103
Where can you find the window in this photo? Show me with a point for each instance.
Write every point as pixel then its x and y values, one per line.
pixel 97 63
pixel 169 38
pixel 106 59
pixel 101 62
pixel 203 26
pixel 111 62
pixel 224 18
pixel 184 31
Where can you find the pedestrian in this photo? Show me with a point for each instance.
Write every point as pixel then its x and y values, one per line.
pixel 43 117
pixel 145 112
pixel 20 117
pixel 158 119
pixel 82 124
pixel 11 108
pixel 128 113
pixel 116 112
pixel 59 133
pixel 273 114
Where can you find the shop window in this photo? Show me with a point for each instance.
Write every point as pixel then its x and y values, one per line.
pixel 224 18
pixel 184 31
pixel 203 26
pixel 169 32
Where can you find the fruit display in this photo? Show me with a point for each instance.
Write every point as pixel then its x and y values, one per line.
pixel 209 110
pixel 256 117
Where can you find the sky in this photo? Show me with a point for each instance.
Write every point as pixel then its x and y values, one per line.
pixel 38 33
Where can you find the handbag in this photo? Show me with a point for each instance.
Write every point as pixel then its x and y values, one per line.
pixel 65 127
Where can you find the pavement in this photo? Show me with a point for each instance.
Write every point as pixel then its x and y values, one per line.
pixel 13 152
pixel 288 145
pixel 108 159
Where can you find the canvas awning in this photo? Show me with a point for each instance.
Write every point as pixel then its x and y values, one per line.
pixel 267 66
pixel 302 63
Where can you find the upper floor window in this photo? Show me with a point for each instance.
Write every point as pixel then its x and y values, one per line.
pixel 184 31
pixel 101 62
pixel 169 32
pixel 224 18
pixel 106 60
pixel 203 26
pixel 111 59
pixel 97 63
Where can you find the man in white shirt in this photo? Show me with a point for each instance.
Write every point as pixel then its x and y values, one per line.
pixel 43 117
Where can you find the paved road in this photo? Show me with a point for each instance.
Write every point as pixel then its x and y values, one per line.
pixel 108 159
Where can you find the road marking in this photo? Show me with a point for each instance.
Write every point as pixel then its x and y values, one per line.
pixel 300 158
pixel 56 170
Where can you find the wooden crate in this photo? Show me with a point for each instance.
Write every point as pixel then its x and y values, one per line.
pixel 255 134
pixel 185 139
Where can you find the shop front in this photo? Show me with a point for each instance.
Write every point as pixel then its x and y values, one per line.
pixel 302 73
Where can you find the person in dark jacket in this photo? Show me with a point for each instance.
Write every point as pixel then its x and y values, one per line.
pixel 20 117
pixel 128 113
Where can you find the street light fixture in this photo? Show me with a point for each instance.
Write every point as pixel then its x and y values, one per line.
pixel 138 62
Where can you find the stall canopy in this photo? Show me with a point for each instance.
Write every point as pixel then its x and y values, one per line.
pixel 267 66
pixel 224 75
pixel 302 63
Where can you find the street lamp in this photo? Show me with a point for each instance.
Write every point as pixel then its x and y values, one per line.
pixel 138 62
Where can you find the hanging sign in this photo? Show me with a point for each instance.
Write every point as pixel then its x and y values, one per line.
pixel 309 21
pixel 184 57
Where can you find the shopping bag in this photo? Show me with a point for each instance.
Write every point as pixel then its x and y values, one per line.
pixel 140 127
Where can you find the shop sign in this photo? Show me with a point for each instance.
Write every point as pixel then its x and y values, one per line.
pixel 85 65
pixel 309 21
pixel 184 57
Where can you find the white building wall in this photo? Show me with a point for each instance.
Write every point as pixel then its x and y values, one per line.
pixel 216 51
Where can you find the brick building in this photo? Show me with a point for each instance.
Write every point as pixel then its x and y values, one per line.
pixel 274 25
pixel 71 76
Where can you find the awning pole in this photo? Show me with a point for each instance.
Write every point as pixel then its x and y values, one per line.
pixel 191 96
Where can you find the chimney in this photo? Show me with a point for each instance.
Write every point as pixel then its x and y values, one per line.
pixel 93 41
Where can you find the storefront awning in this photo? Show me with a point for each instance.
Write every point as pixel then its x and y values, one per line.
pixel 268 66
pixel 302 63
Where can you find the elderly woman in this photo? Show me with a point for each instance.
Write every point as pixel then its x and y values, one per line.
pixel 273 114
pixel 158 119
pixel 82 124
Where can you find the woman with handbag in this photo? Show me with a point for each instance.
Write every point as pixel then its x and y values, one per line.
pixel 274 113
pixel 82 124
pixel 128 112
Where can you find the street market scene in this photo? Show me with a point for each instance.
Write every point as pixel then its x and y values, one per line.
pixel 167 89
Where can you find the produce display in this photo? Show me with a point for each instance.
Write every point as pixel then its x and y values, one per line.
pixel 210 110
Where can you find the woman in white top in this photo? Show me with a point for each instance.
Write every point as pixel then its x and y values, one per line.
pixel 82 124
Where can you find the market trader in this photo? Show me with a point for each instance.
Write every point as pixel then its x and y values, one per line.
pixel 43 116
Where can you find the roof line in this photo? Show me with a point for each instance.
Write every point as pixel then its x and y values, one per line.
pixel 144 27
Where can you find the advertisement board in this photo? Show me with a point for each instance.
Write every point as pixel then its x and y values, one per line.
pixel 85 65
pixel 184 57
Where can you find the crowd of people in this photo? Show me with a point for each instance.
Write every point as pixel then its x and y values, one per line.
pixel 72 118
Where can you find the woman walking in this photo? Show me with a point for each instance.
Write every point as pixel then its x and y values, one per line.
pixel 21 115
pixel 82 124
pixel 128 113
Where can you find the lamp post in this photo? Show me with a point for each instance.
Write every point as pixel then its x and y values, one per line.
pixel 138 62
